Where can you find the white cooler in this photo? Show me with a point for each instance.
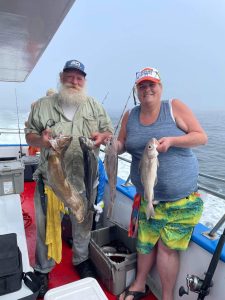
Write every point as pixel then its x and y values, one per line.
pixel 87 288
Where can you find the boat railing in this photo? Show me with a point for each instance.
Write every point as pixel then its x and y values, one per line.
pixel 210 191
pixel 11 130
pixel 201 187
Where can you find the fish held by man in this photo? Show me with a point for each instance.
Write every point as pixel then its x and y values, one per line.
pixel 90 167
pixel 148 166
pixel 111 167
pixel 58 180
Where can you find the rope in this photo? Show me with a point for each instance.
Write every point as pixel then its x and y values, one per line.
pixel 27 219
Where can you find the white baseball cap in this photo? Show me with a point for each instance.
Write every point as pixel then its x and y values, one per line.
pixel 148 73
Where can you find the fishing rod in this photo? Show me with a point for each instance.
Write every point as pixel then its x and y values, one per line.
pixel 18 125
pixel 117 126
pixel 202 286
pixel 207 282
pixel 105 97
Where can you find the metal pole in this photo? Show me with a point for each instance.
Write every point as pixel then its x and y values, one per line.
pixel 211 269
pixel 217 226
pixel 127 183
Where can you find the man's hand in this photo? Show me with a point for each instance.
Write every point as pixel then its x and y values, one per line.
pixel 41 141
pixel 100 137
pixel 46 135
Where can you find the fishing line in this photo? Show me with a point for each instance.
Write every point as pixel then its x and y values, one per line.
pixel 105 97
pixel 18 125
pixel 134 95
pixel 117 126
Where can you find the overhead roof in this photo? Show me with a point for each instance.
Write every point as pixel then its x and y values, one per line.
pixel 26 28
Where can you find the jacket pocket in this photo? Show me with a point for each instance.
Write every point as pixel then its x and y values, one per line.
pixel 90 124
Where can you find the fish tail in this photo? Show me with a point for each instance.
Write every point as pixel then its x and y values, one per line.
pixel 109 213
pixel 150 212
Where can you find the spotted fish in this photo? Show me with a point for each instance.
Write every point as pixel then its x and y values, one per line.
pixel 57 178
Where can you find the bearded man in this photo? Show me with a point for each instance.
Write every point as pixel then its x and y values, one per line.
pixel 69 112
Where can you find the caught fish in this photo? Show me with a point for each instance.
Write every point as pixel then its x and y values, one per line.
pixel 149 165
pixel 117 257
pixel 90 167
pixel 57 177
pixel 108 249
pixel 111 167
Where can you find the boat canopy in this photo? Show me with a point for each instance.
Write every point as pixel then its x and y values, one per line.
pixel 26 28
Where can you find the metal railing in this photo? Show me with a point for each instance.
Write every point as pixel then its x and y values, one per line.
pixel 127 181
pixel 11 130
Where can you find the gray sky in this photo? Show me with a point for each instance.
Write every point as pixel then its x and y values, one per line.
pixel 184 39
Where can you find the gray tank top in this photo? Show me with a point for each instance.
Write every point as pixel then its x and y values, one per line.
pixel 178 167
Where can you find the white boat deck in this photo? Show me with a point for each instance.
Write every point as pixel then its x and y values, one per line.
pixel 12 222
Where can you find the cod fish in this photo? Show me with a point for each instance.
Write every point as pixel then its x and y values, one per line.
pixel 90 167
pixel 57 177
pixel 149 165
pixel 111 166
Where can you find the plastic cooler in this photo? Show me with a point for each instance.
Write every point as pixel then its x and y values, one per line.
pixel 11 177
pixel 87 288
pixel 116 276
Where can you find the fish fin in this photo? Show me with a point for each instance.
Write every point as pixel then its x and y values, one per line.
pixel 139 169
pixel 150 212
pixel 155 202
pixel 95 184
pixel 109 213
pixel 145 196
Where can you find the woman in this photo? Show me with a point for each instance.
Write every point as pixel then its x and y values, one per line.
pixel 175 127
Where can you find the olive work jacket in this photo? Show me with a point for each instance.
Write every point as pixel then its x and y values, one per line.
pixel 89 117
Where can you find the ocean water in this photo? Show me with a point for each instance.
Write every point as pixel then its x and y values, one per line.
pixel 211 157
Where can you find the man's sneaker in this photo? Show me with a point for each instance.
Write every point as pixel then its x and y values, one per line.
pixel 85 269
pixel 44 283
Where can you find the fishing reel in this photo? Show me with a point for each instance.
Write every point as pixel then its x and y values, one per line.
pixel 194 284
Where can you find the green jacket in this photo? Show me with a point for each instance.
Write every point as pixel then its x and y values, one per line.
pixel 89 117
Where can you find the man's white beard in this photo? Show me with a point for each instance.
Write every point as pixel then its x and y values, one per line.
pixel 70 95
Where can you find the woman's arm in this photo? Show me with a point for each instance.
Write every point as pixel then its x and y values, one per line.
pixel 186 121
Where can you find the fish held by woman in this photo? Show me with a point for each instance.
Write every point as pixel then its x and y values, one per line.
pixel 111 167
pixel 148 166
pixel 58 180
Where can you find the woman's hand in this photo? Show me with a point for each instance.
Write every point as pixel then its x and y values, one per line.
pixel 164 144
